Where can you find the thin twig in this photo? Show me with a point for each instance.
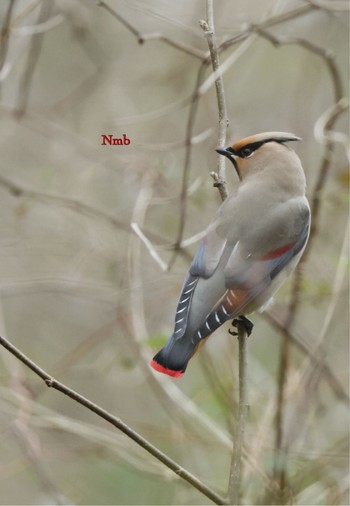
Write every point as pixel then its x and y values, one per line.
pixel 33 57
pixel 339 276
pixel 116 422
pixel 220 183
pixel 317 359
pixel 333 5
pixel 141 38
pixel 5 35
pixel 273 21
pixel 236 463
pixel 329 59
pixel 209 33
pixel 149 246
pixel 74 205
pixel 187 163
pixel 323 133
pixel 325 54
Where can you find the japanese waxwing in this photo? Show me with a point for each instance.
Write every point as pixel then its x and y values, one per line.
pixel 254 243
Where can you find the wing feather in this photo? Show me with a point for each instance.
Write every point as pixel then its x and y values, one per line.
pixel 208 254
pixel 248 273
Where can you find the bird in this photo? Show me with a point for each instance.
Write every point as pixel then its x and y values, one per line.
pixel 253 244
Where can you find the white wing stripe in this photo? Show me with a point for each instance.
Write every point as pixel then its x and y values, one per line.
pixel 217 317
pixel 224 310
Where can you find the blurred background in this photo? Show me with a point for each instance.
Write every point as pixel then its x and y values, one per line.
pixel 89 276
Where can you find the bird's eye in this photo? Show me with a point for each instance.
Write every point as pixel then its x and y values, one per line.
pixel 246 152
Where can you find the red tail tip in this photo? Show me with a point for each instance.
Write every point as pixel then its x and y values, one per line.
pixel 165 370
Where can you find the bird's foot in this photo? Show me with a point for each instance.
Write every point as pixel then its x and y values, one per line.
pixel 242 321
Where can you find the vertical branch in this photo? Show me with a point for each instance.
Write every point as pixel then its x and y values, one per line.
pixel 236 462
pixel 280 447
pixel 4 35
pixel 281 450
pixel 187 163
pixel 33 57
pixel 220 183
pixel 209 33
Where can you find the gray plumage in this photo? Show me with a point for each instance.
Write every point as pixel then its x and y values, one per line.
pixel 254 242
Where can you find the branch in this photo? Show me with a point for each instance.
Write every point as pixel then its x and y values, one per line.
pixel 322 131
pixel 116 422
pixel 329 59
pixel 77 206
pixel 334 5
pixel 325 54
pixel 273 21
pixel 33 57
pixel 4 37
pixel 187 162
pixel 315 358
pixel 141 38
pixel 209 33
pixel 236 463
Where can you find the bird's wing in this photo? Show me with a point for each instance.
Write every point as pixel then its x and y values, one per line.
pixel 205 261
pixel 228 277
pixel 184 305
pixel 208 253
pixel 267 249
pixel 249 265
pixel 255 261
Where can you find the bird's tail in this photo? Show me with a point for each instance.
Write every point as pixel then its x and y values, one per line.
pixel 174 357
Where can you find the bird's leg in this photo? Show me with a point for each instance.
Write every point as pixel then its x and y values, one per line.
pixel 242 321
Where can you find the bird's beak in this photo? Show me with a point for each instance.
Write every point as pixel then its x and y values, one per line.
pixel 228 152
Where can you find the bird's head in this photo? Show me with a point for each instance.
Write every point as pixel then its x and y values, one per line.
pixel 253 153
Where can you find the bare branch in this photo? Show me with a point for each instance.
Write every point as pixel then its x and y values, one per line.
pixel 5 34
pixel 322 177
pixel 33 57
pixel 273 21
pixel 321 129
pixel 325 54
pixel 209 33
pixel 333 5
pixel 332 380
pixel 329 59
pixel 187 161
pixel 339 276
pixel 152 36
pixel 149 246
pixel 75 205
pixel 237 456
pixel 116 422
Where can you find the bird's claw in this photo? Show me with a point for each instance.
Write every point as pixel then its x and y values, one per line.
pixel 242 322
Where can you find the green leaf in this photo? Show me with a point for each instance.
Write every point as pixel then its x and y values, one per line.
pixel 157 341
